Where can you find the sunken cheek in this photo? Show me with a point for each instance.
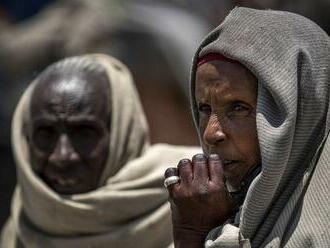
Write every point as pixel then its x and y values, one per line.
pixel 40 158
pixel 244 135
pixel 101 149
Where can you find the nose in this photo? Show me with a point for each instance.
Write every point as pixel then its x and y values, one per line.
pixel 64 153
pixel 214 133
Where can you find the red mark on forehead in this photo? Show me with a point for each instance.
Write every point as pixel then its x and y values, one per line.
pixel 214 56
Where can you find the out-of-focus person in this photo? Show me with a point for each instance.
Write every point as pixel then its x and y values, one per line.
pixel 155 40
pixel 87 174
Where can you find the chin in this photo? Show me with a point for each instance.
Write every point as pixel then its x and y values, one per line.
pixel 65 191
pixel 68 190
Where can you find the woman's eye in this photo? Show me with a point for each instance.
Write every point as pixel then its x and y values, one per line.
pixel 204 108
pixel 238 108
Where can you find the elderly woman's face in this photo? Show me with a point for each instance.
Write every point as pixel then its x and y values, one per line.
pixel 226 95
pixel 68 134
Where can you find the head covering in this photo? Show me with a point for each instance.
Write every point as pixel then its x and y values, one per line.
pixel 130 207
pixel 288 203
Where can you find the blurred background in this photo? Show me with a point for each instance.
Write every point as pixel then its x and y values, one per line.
pixel 156 39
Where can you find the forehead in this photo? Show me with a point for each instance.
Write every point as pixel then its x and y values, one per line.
pixel 223 78
pixel 72 95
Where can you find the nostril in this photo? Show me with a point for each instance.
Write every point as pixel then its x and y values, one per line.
pixel 214 135
pixel 74 156
pixel 61 160
pixel 220 136
pixel 59 157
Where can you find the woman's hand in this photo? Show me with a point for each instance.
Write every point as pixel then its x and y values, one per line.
pixel 199 201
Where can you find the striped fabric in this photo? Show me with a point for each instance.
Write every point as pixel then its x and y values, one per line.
pixel 288 204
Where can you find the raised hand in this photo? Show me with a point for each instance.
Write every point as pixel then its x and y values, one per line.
pixel 199 200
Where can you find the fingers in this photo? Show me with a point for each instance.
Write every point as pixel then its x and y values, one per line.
pixel 185 171
pixel 199 197
pixel 171 178
pixel 200 168
pixel 171 171
pixel 215 168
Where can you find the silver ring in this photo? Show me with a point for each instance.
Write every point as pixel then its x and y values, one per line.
pixel 171 180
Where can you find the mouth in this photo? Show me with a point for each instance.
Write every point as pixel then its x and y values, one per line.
pixel 63 182
pixel 227 162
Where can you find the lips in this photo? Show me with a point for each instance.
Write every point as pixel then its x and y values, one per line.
pixel 227 162
pixel 63 182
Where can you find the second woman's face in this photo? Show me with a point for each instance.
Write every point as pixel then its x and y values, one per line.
pixel 226 96
pixel 69 135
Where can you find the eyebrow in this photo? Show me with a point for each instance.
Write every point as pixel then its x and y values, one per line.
pixel 44 120
pixel 50 119
pixel 88 118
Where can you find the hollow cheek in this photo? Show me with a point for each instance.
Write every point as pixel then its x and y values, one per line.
pixel 100 154
pixel 245 139
pixel 39 159
pixel 96 164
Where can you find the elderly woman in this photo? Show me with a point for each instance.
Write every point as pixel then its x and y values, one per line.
pixel 87 176
pixel 260 98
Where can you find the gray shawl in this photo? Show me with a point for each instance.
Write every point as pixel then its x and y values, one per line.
pixel 288 203
pixel 130 207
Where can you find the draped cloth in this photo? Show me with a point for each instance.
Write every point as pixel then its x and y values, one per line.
pixel 130 207
pixel 287 204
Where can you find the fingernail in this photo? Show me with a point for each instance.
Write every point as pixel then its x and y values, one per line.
pixel 172 171
pixel 199 157
pixel 214 156
pixel 184 161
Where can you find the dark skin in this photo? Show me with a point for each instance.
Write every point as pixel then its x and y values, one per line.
pixel 68 132
pixel 226 95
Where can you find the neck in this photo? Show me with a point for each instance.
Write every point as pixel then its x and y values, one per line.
pixel 239 194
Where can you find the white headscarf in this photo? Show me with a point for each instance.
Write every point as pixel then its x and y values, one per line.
pixel 130 207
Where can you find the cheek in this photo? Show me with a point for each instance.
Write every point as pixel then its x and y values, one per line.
pixel 101 151
pixel 39 159
pixel 97 159
pixel 203 122
pixel 246 139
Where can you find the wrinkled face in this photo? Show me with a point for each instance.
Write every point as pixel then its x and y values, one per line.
pixel 68 134
pixel 226 95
